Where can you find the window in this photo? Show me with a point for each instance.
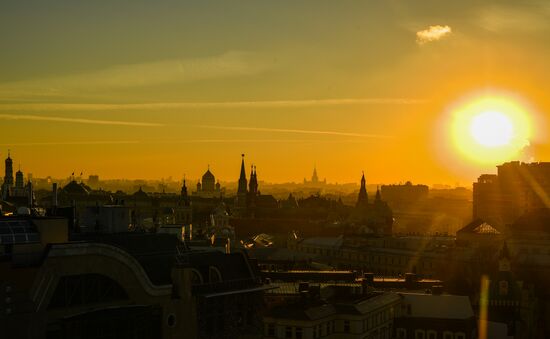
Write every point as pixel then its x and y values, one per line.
pixel 432 334
pixel 419 334
pixel 288 332
pixel 460 335
pixel 401 333
pixel 346 326
pixel 503 287
pixel 298 333
pixel 448 335
pixel 270 330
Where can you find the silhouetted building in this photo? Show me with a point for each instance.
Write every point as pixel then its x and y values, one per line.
pixel 208 187
pixel 432 316
pixel 315 182
pixel 125 285
pixel 362 198
pixel 7 185
pixel 332 311
pixel 404 194
pixel 516 189
pixel 249 202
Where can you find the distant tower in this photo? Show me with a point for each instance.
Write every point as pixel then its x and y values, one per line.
pixel 242 178
pixel 363 198
pixel 19 182
pixel 242 192
pixel 253 185
pixel 184 197
pixel 378 197
pixel 8 177
pixel 314 177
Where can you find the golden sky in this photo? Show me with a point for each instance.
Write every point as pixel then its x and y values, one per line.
pixel 142 89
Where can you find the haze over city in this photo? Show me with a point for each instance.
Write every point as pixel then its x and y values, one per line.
pixel 274 169
pixel 160 89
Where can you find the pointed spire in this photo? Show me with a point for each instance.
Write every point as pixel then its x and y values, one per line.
pixel 378 197
pixel 242 178
pixel 362 198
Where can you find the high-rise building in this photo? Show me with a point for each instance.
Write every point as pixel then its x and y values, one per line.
pixel 516 189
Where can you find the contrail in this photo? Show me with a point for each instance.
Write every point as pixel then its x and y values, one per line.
pixel 299 131
pixel 215 104
pixel 78 120
pixel 63 143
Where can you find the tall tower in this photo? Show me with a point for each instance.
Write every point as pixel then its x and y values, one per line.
pixel 253 185
pixel 363 198
pixel 8 177
pixel 19 182
pixel 184 197
pixel 242 192
pixel 242 178
pixel 314 177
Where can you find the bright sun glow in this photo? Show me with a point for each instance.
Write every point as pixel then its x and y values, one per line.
pixel 490 129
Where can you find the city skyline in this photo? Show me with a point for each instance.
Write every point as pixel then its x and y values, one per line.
pixel 158 93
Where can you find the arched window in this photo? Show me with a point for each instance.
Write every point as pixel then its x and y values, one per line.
pixel 215 275
pixel 196 277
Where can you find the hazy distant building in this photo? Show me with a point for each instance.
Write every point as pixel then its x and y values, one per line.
pixel 516 189
pixel 93 181
pixel 208 187
pixel 315 179
pixel 404 194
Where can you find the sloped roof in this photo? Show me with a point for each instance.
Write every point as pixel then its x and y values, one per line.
pixel 438 306
pixel 479 226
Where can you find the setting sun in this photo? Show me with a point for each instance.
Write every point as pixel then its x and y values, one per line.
pixel 489 129
pixel 492 129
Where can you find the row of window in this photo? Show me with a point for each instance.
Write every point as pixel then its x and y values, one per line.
pixel 401 333
pixel 391 260
pixel 329 327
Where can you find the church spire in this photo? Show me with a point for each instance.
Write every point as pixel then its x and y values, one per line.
pixel 253 185
pixel 242 178
pixel 363 199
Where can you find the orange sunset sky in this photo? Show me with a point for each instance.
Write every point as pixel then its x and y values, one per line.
pixel 135 89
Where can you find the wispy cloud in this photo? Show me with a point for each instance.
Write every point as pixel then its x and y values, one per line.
pixel 214 104
pixel 515 19
pixel 432 33
pixel 68 143
pixel 180 141
pixel 161 72
pixel 77 120
pixel 296 131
